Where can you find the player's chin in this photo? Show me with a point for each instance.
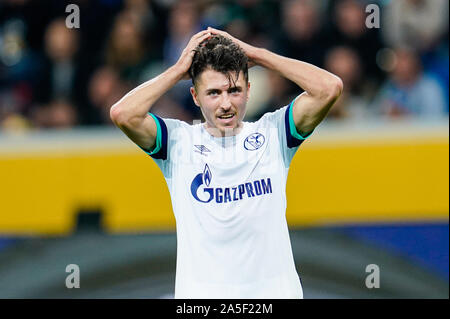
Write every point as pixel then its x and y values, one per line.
pixel 227 122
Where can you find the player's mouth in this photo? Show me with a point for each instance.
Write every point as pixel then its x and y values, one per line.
pixel 226 118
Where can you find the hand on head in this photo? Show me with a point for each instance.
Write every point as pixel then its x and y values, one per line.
pixel 247 48
pixel 185 60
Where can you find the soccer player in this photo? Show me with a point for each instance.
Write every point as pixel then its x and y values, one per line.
pixel 226 177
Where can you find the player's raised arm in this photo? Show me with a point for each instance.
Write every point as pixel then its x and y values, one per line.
pixel 321 87
pixel 130 114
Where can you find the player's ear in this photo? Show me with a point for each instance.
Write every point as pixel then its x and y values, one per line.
pixel 194 96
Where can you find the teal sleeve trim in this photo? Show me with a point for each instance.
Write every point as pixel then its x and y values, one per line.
pixel 292 127
pixel 158 143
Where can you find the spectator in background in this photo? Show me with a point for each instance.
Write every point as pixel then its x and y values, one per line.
pixel 152 18
pixel 418 24
pixel 241 28
pixel 183 23
pixel 105 88
pixel 353 103
pixel 35 15
pixel 59 114
pixel 259 16
pixel 60 87
pixel 301 34
pixel 132 52
pixel 126 51
pixel 423 26
pixel 409 91
pixel 349 29
pixel 19 69
pixel 59 77
pixel 301 37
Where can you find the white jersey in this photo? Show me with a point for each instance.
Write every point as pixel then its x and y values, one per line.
pixel 229 200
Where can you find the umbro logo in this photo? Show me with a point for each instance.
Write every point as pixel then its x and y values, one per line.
pixel 202 149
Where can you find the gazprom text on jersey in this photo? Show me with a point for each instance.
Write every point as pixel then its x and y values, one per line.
pixel 228 194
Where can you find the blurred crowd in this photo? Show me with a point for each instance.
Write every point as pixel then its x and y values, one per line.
pixel 52 76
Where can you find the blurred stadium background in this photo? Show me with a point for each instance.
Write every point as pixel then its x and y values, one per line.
pixel 369 187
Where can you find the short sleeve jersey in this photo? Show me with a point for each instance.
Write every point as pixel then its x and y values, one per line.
pixel 229 200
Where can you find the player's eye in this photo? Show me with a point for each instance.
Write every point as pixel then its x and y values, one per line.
pixel 213 92
pixel 235 90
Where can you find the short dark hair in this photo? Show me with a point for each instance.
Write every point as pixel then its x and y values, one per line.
pixel 220 54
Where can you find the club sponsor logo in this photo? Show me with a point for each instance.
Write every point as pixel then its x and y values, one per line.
pixel 201 191
pixel 254 141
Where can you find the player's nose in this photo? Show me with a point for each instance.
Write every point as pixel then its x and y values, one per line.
pixel 226 102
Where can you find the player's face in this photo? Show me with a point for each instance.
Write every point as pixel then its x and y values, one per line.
pixel 222 103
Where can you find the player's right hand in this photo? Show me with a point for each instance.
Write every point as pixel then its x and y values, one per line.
pixel 184 62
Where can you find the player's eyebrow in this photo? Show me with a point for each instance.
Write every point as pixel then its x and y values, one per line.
pixel 239 88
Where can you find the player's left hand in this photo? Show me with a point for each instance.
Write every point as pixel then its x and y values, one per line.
pixel 248 49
